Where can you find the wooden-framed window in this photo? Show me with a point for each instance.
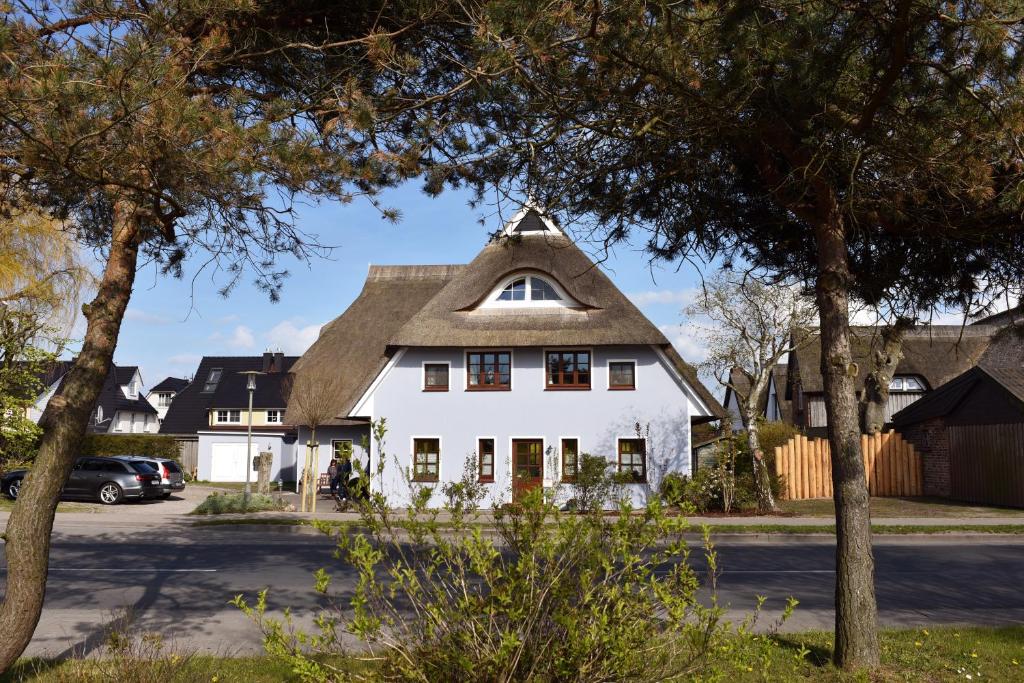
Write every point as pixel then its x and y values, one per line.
pixel 485 456
pixel 622 375
pixel 633 458
pixel 570 459
pixel 435 377
pixel 489 370
pixel 567 369
pixel 426 457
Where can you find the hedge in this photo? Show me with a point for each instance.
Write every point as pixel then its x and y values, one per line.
pixel 154 445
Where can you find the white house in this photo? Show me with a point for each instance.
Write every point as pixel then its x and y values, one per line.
pixel 511 366
pixel 162 395
pixel 121 407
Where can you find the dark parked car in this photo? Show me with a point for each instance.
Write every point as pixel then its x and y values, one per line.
pixel 104 479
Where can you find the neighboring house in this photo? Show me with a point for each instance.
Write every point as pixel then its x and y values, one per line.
pixel 212 412
pixel 513 366
pixel 932 356
pixel 772 404
pixel 161 396
pixel 970 431
pixel 121 407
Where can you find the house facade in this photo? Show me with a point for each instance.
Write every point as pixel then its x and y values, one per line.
pixel 162 395
pixel 120 409
pixel 210 417
pixel 507 370
pixel 772 405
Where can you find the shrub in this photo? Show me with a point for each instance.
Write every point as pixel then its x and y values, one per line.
pixel 549 597
pixel 221 503
pixel 674 489
pixel 153 445
pixel 593 485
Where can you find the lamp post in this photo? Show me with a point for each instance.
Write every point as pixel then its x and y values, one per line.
pixel 250 385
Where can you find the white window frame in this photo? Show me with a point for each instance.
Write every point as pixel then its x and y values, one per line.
pixel 608 373
pixel 412 458
pixel 423 374
pixel 561 457
pixel 566 301
pixel 494 464
pixel 351 447
pixel 228 421
pixel 277 416
pixel 647 458
pixel 164 398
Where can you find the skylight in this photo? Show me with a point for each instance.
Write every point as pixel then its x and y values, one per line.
pixel 212 380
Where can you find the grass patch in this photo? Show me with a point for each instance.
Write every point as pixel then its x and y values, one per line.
pixel 218 503
pixel 6 505
pixel 925 654
pixel 902 507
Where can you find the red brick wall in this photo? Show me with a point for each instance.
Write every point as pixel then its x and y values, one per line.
pixel 931 440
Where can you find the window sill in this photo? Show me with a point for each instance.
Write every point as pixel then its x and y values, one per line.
pixel 488 388
pixel 483 480
pixel 622 388
pixel 421 480
pixel 429 390
pixel 567 388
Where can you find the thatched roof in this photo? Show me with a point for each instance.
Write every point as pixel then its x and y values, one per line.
pixel 937 353
pixel 437 306
pixel 355 344
pixel 605 317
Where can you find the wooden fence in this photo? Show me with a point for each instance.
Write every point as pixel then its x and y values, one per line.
pixel 189 455
pixel 986 463
pixel 892 466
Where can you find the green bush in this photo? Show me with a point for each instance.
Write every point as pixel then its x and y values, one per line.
pixel 153 445
pixel 222 503
pixel 593 485
pixel 549 597
pixel 674 489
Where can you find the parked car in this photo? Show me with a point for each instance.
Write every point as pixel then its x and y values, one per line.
pixel 107 480
pixel 170 471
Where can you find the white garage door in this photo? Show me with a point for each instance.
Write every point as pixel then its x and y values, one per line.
pixel 228 462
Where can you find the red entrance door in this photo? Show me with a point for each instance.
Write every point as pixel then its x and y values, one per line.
pixel 527 466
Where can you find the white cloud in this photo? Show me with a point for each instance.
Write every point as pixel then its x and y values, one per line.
pixel 687 342
pixel 679 298
pixel 240 338
pixel 290 337
pixel 186 360
pixel 145 317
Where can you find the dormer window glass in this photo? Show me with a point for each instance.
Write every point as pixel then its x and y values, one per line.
pixel 515 291
pixel 906 383
pixel 212 380
pixel 529 290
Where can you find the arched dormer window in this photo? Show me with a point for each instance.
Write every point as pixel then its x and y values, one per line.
pixel 528 290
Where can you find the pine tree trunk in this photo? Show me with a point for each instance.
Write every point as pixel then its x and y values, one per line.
pixel 762 478
pixel 884 361
pixel 856 644
pixel 27 539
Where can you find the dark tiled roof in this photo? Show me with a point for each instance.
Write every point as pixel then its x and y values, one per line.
pixel 779 373
pixel 123 373
pixel 174 384
pixel 189 412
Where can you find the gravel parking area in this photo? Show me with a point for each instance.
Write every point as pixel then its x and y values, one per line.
pixel 180 503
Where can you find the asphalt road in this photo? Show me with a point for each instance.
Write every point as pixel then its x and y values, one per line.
pixel 178 580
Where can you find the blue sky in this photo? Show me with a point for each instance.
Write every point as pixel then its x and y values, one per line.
pixel 171 324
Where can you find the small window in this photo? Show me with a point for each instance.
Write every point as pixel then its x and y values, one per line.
pixel 896 384
pixel 485 452
pixel 541 290
pixel 622 375
pixel 633 459
pixel 273 417
pixel 489 370
pixel 342 449
pixel 229 416
pixel 163 400
pixel 426 454
pixel 435 377
pixel 570 459
pixel 906 383
pixel 568 369
pixel 212 380
pixel 515 291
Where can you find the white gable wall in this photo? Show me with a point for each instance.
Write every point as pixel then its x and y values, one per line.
pixel 597 417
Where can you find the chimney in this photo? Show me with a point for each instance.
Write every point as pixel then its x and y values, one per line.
pixel 268 360
pixel 279 362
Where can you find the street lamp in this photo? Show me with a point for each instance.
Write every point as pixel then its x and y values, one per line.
pixel 250 385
